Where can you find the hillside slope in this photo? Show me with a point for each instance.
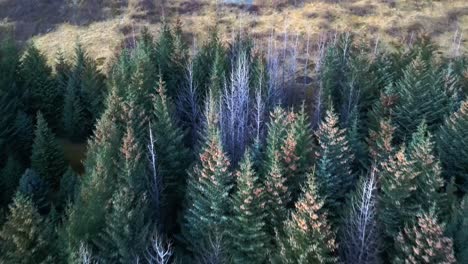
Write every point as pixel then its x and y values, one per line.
pixel 104 25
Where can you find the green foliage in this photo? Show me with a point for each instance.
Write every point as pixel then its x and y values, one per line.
pixel 398 185
pixel 69 187
pixel 297 153
pixel 333 167
pixel 457 229
pixel 173 158
pixel 308 237
pixel 47 157
pixel 34 187
pixel 423 242
pixel 38 83
pixel 248 230
pixel 452 146
pixel 25 236
pixel 429 181
pixel 9 179
pixel 207 200
pixel 420 97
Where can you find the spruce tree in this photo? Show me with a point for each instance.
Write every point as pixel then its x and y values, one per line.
pixel 420 97
pixel 33 186
pixel 398 184
pixel 380 143
pixel 73 113
pixel 69 187
pixel 128 223
pixel 297 153
pixel 173 158
pixel 207 199
pixel 334 159
pixel 25 236
pixel 248 230
pixel 9 179
pixel 86 218
pixel 37 80
pixel 47 157
pixel 457 229
pixel 423 242
pixel 452 146
pixel 308 237
pixel 429 181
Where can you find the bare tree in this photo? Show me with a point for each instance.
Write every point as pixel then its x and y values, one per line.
pixel 235 109
pixel 159 252
pixel 155 181
pixel 360 233
pixel 188 105
pixel 84 255
pixel 214 253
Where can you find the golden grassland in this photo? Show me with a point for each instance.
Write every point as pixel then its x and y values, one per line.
pixel 390 21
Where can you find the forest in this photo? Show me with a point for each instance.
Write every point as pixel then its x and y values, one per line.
pixel 231 152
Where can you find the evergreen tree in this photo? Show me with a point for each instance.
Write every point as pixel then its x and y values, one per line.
pixel 9 93
pixel 452 146
pixel 128 222
pixel 9 179
pixel 421 97
pixel 33 186
pixel 247 231
pixel 69 187
pixel 73 113
pixel 207 198
pixel 173 157
pixel 297 153
pixel 398 184
pixel 423 242
pixel 37 80
pixel 86 218
pixel 308 237
pixel 429 181
pixel 380 143
pixel 25 236
pixel 24 135
pixel 457 229
pixel 334 159
pixel 47 157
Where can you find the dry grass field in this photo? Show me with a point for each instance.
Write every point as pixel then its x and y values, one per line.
pixel 103 25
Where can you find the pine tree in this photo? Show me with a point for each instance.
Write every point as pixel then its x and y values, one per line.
pixel 86 218
pixel 429 181
pixel 247 231
pixel 334 158
pixel 33 186
pixel 47 157
pixel 457 229
pixel 308 237
pixel 380 143
pixel 207 199
pixel 423 242
pixel 421 96
pixel 452 147
pixel 25 236
pixel 24 135
pixel 398 185
pixel 37 80
pixel 297 153
pixel 73 113
pixel 173 157
pixel 69 187
pixel 128 222
pixel 9 179
pixel 277 194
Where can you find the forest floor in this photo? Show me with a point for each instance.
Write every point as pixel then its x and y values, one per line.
pixel 104 25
